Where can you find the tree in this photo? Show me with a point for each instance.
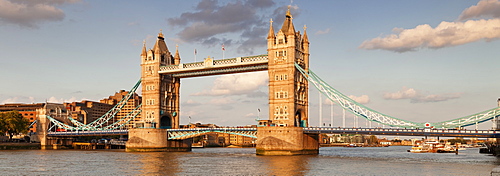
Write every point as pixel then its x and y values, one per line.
pixel 13 123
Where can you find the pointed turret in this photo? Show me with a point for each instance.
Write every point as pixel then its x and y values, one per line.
pixel 287 27
pixel 271 30
pixel 304 38
pixel 160 45
pixel 143 48
pixel 177 57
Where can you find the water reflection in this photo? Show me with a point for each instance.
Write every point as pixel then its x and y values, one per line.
pixel 160 163
pixel 287 165
pixel 243 161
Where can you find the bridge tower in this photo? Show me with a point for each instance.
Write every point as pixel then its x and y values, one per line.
pixel 160 93
pixel 288 94
pixel 160 102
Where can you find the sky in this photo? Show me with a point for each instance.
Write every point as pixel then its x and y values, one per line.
pixel 421 61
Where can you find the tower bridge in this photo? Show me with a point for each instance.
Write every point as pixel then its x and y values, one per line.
pixel 287 130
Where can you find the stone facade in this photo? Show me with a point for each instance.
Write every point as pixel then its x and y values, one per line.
pixel 160 93
pixel 286 141
pixel 288 95
pixel 154 140
pixel 288 89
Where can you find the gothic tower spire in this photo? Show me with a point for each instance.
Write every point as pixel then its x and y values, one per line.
pixel 288 28
pixel 143 48
pixel 271 30
pixel 177 57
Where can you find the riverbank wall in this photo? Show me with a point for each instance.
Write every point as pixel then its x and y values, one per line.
pixel 19 146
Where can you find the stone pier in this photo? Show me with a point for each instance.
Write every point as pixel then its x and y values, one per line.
pixel 154 140
pixel 286 141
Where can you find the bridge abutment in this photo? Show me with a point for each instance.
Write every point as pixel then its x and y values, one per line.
pixel 154 140
pixel 286 141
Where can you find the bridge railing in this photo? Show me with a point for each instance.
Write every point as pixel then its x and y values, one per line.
pixel 88 133
pixel 208 63
pixel 425 130
pixel 184 133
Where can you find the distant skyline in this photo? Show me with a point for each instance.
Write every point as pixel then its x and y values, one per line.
pixel 422 61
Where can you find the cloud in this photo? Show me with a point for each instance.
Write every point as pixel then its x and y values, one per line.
pixel 252 115
pixel 238 84
pixel 210 23
pixel 363 99
pixel 418 97
pixel 321 32
pixel 21 99
pixel 29 13
pixel 221 101
pixel 446 34
pixel 191 102
pixel 484 8
pixel 62 100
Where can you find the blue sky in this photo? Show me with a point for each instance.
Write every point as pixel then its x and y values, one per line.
pixel 422 61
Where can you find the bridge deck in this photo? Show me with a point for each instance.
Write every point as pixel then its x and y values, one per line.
pixel 190 132
pixel 406 132
pixel 216 67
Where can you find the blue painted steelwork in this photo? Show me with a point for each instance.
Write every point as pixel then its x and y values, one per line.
pixel 185 133
pixel 99 123
pixel 88 133
pixel 32 123
pixel 362 111
pixel 406 132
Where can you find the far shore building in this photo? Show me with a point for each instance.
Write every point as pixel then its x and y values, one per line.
pixel 87 111
pixel 132 104
pixel 222 139
pixel 28 111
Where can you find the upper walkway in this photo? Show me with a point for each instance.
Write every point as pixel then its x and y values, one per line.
pixel 217 67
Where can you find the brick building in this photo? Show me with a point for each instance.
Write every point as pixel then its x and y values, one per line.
pixel 132 103
pixel 87 111
pixel 27 110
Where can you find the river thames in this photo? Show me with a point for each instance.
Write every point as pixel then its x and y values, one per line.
pixel 394 160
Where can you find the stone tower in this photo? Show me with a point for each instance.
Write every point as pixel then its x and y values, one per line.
pixel 288 95
pixel 288 89
pixel 160 93
pixel 160 103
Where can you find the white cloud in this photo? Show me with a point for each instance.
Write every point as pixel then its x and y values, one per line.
pixel 484 8
pixel 405 93
pixel 419 97
pixel 21 99
pixel 29 13
pixel 222 101
pixel 62 100
pixel 238 84
pixel 326 31
pixel 251 115
pixel 191 102
pixel 446 34
pixel 327 101
pixel 363 99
